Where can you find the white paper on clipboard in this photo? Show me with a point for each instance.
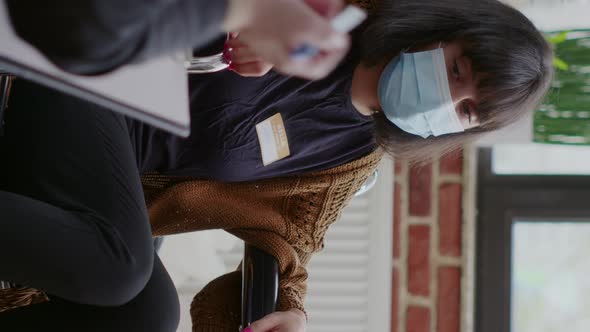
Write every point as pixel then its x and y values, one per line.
pixel 155 91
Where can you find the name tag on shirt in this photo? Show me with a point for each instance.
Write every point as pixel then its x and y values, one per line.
pixel 272 138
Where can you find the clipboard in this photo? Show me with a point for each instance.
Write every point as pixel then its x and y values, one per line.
pixel 154 91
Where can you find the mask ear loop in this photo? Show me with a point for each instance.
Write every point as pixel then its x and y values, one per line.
pixel 405 50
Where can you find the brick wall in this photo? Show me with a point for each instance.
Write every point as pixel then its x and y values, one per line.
pixel 427 252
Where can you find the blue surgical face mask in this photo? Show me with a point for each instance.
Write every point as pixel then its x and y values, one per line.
pixel 415 96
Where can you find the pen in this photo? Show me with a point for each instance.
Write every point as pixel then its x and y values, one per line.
pixel 344 22
pixel 5 80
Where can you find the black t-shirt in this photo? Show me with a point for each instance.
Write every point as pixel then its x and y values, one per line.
pixel 323 128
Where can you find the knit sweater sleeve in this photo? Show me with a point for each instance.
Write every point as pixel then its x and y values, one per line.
pixel 314 202
pixel 286 217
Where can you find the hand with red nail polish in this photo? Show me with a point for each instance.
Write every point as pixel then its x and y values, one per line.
pixel 272 29
pixel 226 55
pixel 292 320
pixel 243 60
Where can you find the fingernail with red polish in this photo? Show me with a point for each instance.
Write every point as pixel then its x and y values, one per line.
pixel 232 67
pixel 248 329
pixel 226 56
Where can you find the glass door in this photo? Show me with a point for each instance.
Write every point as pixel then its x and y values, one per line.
pixel 533 239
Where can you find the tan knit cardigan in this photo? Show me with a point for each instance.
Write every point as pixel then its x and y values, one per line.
pixel 287 217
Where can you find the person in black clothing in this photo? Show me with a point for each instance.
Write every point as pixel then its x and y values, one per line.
pixel 95 36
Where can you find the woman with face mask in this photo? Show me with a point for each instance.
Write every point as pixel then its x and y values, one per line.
pixel 271 159
pixel 496 64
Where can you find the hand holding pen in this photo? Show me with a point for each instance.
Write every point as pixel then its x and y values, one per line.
pixel 307 44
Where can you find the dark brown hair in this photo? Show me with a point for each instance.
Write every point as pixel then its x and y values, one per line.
pixel 511 57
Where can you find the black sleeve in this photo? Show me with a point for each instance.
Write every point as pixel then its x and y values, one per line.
pixel 94 36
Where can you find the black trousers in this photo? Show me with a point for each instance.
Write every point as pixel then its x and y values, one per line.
pixel 73 220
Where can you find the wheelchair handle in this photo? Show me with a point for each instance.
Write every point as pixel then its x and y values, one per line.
pixel 260 285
